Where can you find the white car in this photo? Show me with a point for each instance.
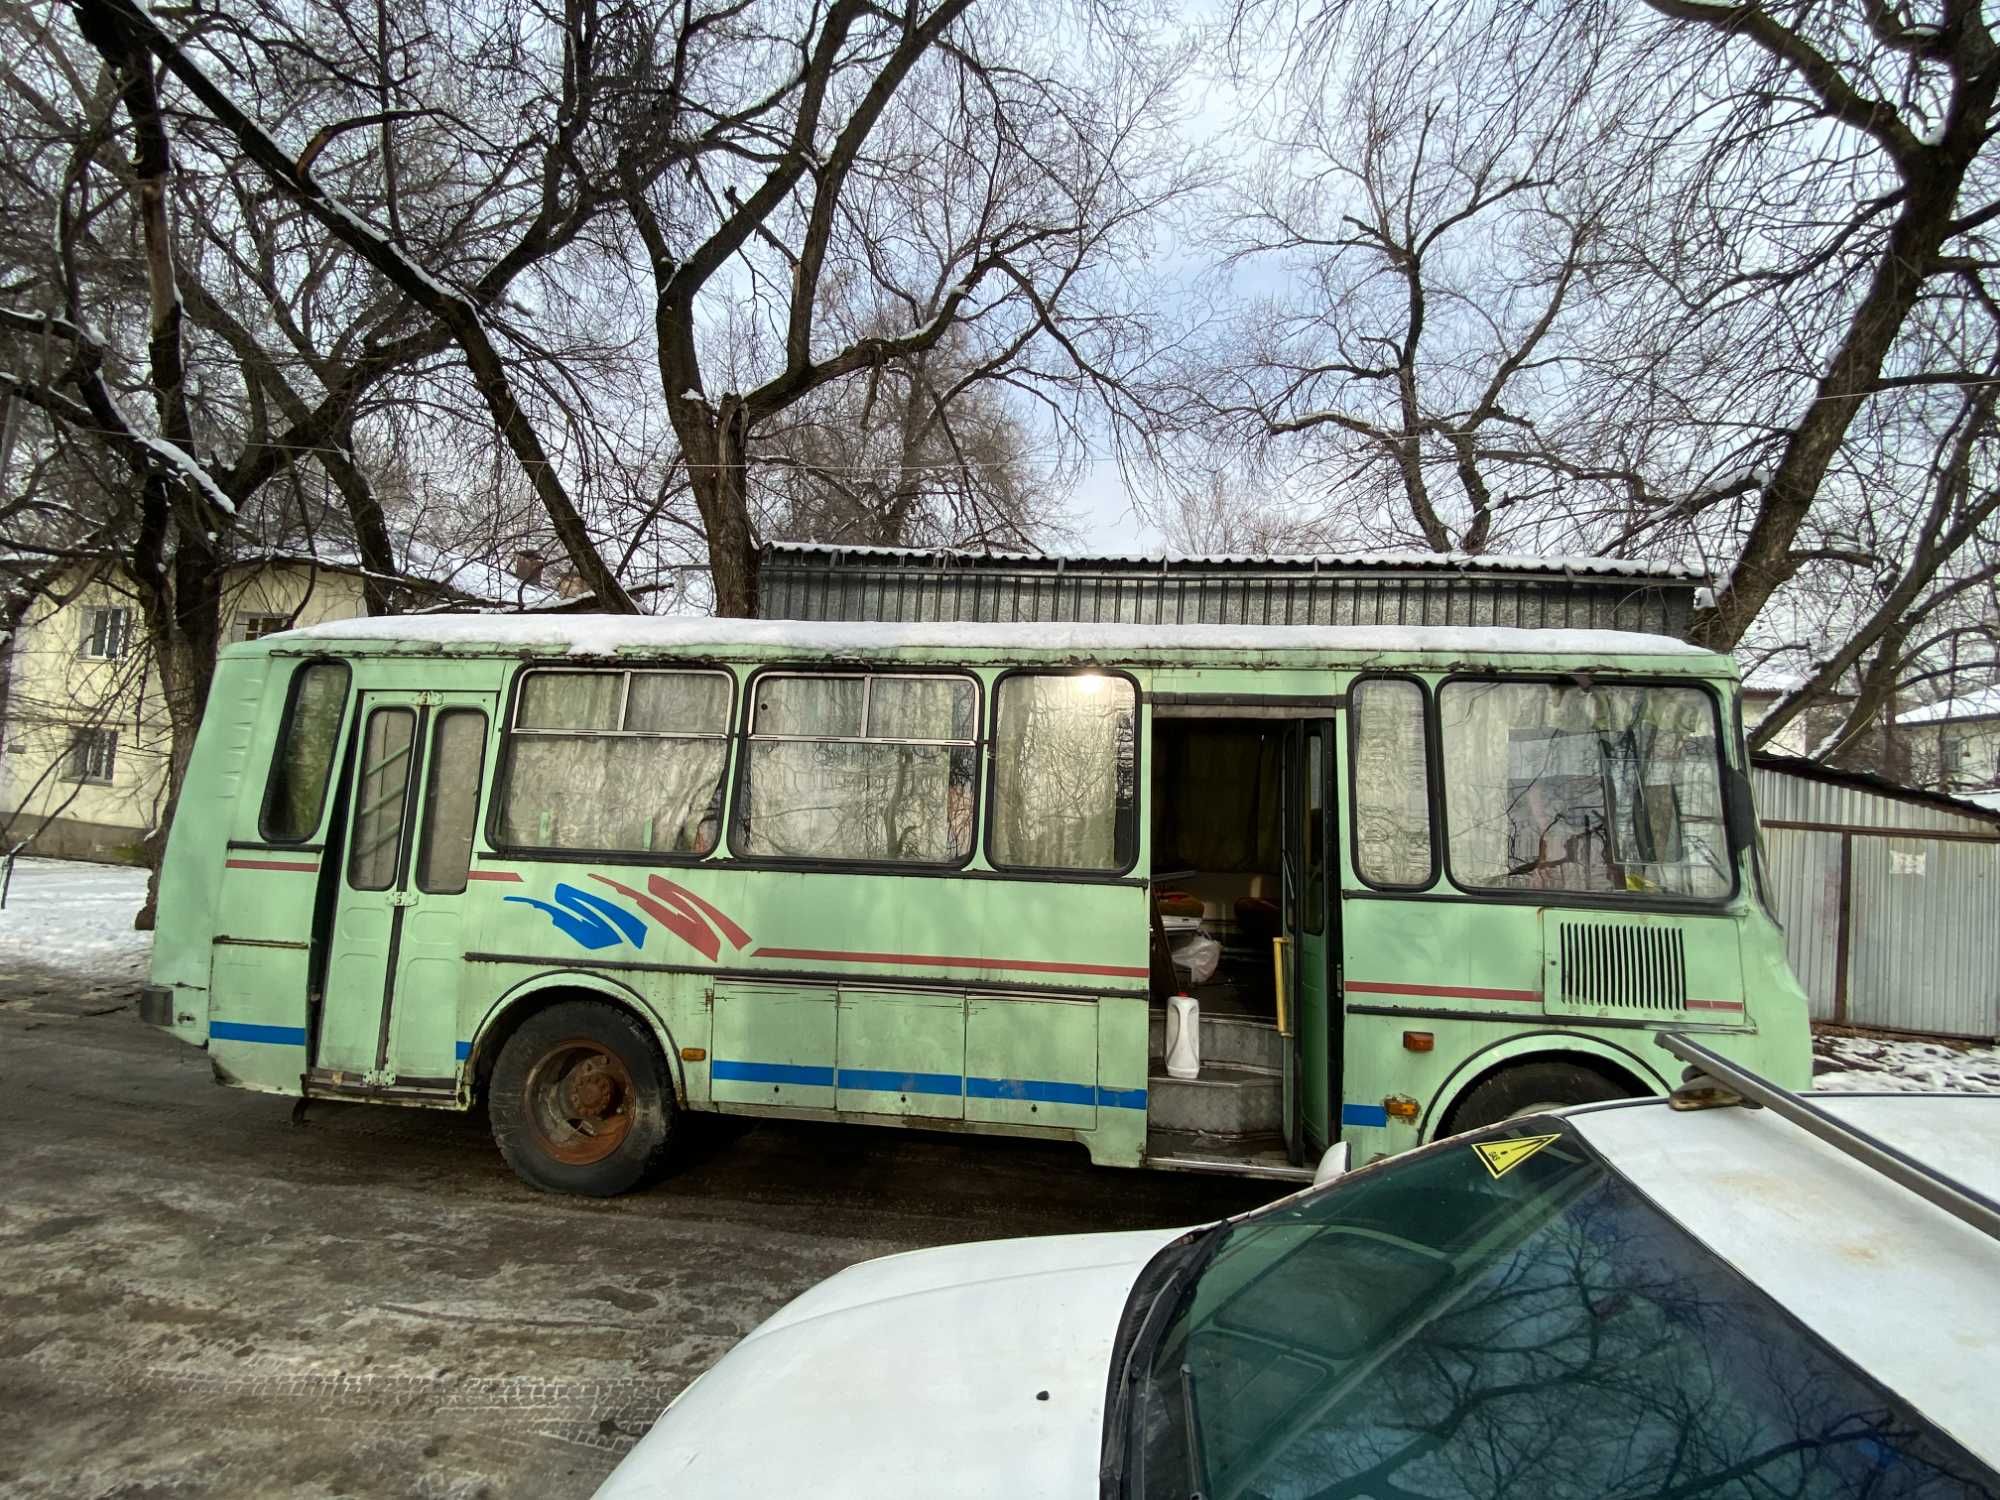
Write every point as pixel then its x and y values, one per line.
pixel 1617 1300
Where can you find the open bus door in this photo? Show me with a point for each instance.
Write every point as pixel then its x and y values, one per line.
pixel 1306 952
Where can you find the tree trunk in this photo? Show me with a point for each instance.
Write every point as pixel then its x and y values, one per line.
pixel 1908 259
pixel 713 440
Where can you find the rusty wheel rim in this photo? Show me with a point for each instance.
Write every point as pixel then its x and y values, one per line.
pixel 580 1101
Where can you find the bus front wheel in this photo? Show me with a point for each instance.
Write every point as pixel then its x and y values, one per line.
pixel 580 1101
pixel 1531 1089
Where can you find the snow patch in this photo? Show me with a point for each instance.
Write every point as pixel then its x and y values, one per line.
pixel 1867 1064
pixel 67 914
pixel 606 635
pixel 1981 703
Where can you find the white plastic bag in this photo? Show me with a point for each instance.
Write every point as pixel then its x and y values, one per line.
pixel 1196 957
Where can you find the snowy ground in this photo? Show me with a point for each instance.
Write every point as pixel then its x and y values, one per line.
pixel 1861 1064
pixel 76 917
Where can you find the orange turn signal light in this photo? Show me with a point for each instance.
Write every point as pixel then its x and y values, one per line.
pixel 693 1054
pixel 1400 1107
pixel 1418 1041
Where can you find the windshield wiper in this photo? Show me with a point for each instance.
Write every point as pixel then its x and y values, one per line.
pixel 1191 1418
pixel 1133 1364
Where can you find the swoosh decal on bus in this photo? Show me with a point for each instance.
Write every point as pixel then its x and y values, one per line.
pixel 951 961
pixel 1449 991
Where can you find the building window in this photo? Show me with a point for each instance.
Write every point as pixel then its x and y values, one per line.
pixel 93 755
pixel 868 768
pixel 1064 772
pixel 617 761
pixel 107 629
pixel 256 627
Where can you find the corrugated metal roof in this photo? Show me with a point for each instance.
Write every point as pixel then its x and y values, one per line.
pixel 1981 703
pixel 1804 791
pixel 1457 562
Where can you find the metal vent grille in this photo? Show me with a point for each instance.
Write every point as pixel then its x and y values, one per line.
pixel 1637 968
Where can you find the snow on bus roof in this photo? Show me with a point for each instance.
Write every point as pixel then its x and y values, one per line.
pixel 606 635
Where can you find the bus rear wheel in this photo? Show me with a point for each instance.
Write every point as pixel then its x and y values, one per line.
pixel 580 1101
pixel 1532 1089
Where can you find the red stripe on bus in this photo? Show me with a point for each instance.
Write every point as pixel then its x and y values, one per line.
pixel 1715 1005
pixel 1448 991
pixel 493 875
pixel 271 864
pixel 942 961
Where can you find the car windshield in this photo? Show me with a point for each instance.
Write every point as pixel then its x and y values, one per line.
pixel 1502 1315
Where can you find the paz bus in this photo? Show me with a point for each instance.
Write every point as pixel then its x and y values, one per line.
pixel 600 873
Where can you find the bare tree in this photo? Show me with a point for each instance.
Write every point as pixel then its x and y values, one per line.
pixel 1720 290
pixel 1924 609
pixel 1862 135
pixel 964 168
pixel 908 455
pixel 1433 238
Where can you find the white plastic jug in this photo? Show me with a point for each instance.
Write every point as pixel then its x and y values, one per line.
pixel 1183 1037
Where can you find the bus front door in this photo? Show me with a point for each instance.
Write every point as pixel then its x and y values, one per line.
pixel 1305 968
pixel 388 1014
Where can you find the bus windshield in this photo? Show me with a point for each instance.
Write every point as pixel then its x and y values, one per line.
pixel 1599 789
pixel 1429 1328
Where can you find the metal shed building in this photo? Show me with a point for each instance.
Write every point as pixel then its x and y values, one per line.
pixel 1890 898
pixel 802 581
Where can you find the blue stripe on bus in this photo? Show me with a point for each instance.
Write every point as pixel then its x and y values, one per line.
pixel 753 1072
pixel 1363 1114
pixel 880 1080
pixel 245 1031
pixel 1040 1091
pixel 462 1051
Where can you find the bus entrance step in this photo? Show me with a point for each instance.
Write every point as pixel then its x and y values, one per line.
pixel 1228 1099
pixel 1228 1040
pixel 1240 1156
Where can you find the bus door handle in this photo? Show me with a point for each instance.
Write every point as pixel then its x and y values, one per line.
pixel 1279 948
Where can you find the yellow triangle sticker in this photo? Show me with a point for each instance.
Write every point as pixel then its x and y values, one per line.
pixel 1501 1157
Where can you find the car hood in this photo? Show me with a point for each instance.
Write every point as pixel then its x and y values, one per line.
pixel 920 1374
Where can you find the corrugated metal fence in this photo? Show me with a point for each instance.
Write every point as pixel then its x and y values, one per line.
pixel 1891 905
pixel 827 584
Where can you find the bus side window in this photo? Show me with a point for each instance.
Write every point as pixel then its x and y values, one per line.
pixel 615 761
pixel 869 767
pixel 1392 784
pixel 1065 776
pixel 302 762
pixel 451 806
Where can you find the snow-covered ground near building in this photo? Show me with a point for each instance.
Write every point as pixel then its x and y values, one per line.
pixel 69 915
pixel 1865 1064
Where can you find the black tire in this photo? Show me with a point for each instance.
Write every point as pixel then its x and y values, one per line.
pixel 580 1101
pixel 1530 1088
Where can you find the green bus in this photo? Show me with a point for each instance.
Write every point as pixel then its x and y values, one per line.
pixel 596 873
